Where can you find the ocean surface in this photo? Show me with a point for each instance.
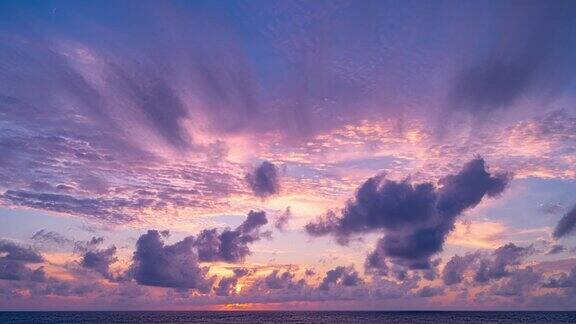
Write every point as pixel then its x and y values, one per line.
pixel 288 317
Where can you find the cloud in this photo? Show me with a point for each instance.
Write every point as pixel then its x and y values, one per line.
pixel 415 218
pixel 15 252
pixel 519 283
pixel 566 225
pixel 264 180
pixel 50 237
pixel 282 220
pixel 226 286
pixel 112 123
pixel 562 280
pixel 175 266
pixel 345 276
pixel 230 245
pixel 14 260
pixel 555 249
pixel 498 266
pixel 241 272
pixel 532 62
pixel 428 291
pixel 104 209
pixel 453 272
pixel 100 260
pixel 62 288
pixel 279 280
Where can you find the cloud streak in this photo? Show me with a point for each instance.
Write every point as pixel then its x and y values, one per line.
pixel 566 225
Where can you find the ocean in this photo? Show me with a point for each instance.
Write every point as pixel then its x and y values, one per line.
pixel 288 317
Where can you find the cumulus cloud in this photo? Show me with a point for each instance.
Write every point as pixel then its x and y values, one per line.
pixel 175 266
pixel 14 260
pixel 264 180
pixel 519 283
pixel 225 286
pixel 16 252
pixel 415 218
pixel 279 280
pixel 566 225
pixel 231 245
pixel 502 259
pixel 453 272
pixel 344 276
pixel 562 280
pixel 100 260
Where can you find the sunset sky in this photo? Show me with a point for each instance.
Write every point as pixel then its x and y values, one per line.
pixel 349 155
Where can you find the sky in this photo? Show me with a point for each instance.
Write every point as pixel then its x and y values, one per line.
pixel 292 155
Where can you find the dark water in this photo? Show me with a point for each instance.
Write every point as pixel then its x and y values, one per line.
pixel 288 317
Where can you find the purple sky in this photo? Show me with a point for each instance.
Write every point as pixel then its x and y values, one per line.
pixel 287 155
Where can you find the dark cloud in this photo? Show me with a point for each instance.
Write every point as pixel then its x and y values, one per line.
pixel 17 270
pixel 226 286
pixel 566 225
pixel 14 261
pixel 264 180
pixel 520 282
pixel 279 280
pixel 378 266
pixel 231 245
pixel 375 263
pixel 241 272
pixel 344 276
pixel 453 272
pixel 502 260
pixel 95 240
pixel 100 260
pixel 414 218
pixel 175 266
pixel 432 272
pixel 16 252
